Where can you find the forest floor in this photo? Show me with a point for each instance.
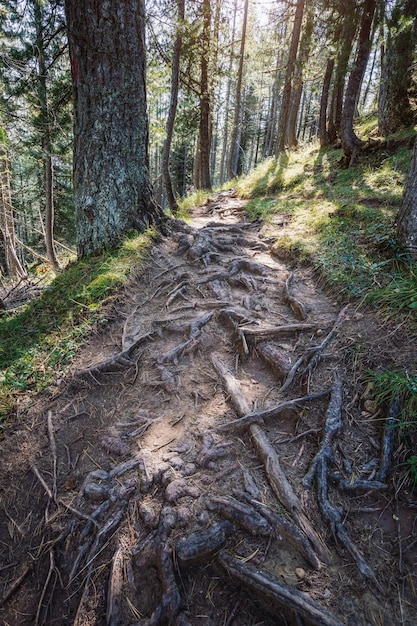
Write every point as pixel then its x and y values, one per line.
pixel 173 478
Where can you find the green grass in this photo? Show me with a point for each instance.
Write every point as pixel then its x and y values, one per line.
pixel 339 219
pixel 39 341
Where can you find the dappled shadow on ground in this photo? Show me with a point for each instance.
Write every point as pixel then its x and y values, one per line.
pixel 174 479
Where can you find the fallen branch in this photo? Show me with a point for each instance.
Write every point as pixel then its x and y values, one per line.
pixel 296 306
pixel 259 416
pixel 276 477
pixel 277 594
pixel 115 589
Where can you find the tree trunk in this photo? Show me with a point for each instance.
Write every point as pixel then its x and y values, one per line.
pixel 297 88
pixel 223 164
pixel 286 96
pixel 407 216
pixel 394 107
pixel 175 71
pixel 232 169
pixel 350 142
pixel 113 193
pixel 9 261
pixel 348 31
pixel 323 134
pixel 203 180
pixel 45 131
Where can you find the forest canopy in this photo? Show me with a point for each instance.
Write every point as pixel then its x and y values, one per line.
pixel 215 88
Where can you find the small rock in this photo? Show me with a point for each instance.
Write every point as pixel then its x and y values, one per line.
pixel 300 573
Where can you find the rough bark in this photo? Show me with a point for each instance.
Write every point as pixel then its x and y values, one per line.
pixel 407 216
pixel 394 107
pixel 113 193
pixel 203 180
pixel 175 71
pixel 289 75
pixel 298 82
pixel 350 142
pixel 347 37
pixel 234 144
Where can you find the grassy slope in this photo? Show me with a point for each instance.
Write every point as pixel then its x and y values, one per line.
pixel 340 220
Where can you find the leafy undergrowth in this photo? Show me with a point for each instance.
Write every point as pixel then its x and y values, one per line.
pixel 39 340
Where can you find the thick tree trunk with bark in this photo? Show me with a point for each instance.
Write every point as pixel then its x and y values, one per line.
pixel 175 72
pixel 394 107
pixel 289 75
pixel 350 142
pixel 407 217
pixel 113 193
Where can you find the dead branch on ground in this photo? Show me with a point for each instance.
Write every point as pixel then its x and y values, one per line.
pixel 277 594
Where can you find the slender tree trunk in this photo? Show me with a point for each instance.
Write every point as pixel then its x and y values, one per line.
pixel 407 216
pixel 323 135
pixel 223 164
pixel 394 107
pixel 286 96
pixel 166 177
pixel 350 142
pixel 113 193
pixel 8 255
pixel 234 145
pixel 297 88
pixel 348 31
pixel 202 171
pixel 46 136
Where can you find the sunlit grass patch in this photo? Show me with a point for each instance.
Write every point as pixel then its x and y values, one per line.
pixel 39 341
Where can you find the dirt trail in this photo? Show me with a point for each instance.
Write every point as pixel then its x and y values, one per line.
pixel 134 496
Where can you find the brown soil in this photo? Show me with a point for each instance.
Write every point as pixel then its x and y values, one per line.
pixel 148 542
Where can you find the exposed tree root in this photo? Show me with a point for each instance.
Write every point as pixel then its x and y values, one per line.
pixel 319 470
pixel 277 595
pixel 276 477
pixel 259 416
pixel 121 358
pixel 296 306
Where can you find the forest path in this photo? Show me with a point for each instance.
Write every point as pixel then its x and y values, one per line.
pixel 135 497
